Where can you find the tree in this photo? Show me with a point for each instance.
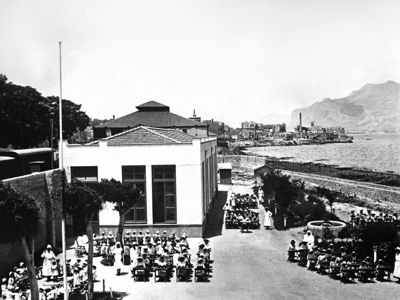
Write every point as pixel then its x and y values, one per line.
pixel 123 195
pixel 82 201
pixel 73 118
pixel 279 185
pixel 25 116
pixel 328 194
pixel 19 221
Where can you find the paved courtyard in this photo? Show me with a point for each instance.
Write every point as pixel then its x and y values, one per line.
pixel 247 266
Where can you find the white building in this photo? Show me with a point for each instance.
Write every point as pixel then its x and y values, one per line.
pixel 176 172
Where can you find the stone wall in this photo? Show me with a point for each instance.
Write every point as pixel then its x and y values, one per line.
pixel 364 190
pixel 45 188
pixel 242 162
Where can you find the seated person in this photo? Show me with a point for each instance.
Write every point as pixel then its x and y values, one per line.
pixel 161 262
pixel 22 270
pixel 140 238
pixel 111 239
pixel 133 238
pixel 140 263
pixel 382 270
pixel 181 262
pixel 312 258
pixel 200 263
pixel 147 237
pixel 76 278
pixel 94 272
pixel 292 251
pixel 146 260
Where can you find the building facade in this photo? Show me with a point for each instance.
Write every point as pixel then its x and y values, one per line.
pixel 176 172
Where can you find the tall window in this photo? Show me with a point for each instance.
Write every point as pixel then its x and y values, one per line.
pixel 137 176
pixel 85 174
pixel 164 194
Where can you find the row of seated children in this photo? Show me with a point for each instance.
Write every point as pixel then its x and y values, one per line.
pixel 339 261
pixel 242 218
pixel 241 212
pixel 242 201
pixel 133 247
pixel 362 218
pixel 166 258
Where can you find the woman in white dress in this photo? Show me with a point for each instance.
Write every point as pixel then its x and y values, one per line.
pixel 118 257
pixel 133 255
pixel 48 257
pixel 267 219
pixel 309 239
pixel 396 272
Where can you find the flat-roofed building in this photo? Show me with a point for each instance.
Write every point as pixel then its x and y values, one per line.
pixel 176 172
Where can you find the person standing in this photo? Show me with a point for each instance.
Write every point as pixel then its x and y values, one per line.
pixel 118 257
pixel 48 257
pixel 396 271
pixel 268 219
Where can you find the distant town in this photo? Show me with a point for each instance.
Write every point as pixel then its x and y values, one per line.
pixel 258 134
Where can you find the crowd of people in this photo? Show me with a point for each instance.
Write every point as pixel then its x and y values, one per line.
pixel 16 285
pixel 341 260
pixel 154 254
pixel 242 212
pixel 363 217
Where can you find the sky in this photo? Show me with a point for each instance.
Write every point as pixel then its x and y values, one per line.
pixel 230 60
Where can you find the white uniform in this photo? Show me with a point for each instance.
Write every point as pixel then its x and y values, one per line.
pixel 118 258
pixel 48 257
pixel 396 272
pixel 134 256
pixel 267 219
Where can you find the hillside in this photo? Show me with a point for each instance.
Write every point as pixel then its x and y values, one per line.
pixel 374 107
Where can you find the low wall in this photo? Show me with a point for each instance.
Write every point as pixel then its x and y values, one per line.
pixel 367 190
pixel 240 162
pixel 44 188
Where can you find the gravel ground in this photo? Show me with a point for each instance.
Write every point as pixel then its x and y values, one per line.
pixel 246 266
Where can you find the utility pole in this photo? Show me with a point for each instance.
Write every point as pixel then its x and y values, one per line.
pixel 61 166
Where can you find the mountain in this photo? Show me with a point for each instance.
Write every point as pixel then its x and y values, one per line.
pixel 374 107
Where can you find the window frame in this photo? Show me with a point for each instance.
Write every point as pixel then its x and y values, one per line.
pixel 165 181
pixel 134 210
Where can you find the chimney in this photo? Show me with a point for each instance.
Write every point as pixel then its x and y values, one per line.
pixel 301 124
pixel 113 117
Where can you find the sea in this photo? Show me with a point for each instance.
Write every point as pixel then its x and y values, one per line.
pixel 374 151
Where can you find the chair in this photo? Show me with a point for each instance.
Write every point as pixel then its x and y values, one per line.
pixel 183 274
pixel 162 273
pixel 200 274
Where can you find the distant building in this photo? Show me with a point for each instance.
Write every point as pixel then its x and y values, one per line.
pixel 176 172
pixel 151 114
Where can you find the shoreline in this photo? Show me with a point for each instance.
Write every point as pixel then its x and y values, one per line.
pixel 319 168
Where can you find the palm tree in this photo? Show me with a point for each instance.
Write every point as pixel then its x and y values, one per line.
pixel 19 221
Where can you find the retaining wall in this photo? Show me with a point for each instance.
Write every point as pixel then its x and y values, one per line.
pixel 45 188
pixel 371 191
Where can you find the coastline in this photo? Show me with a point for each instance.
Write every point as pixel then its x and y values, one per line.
pixel 318 167
pixel 378 197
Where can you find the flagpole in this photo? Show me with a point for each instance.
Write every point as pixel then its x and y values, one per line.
pixel 61 166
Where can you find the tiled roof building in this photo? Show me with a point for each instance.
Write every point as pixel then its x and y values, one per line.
pixel 151 114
